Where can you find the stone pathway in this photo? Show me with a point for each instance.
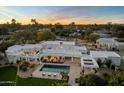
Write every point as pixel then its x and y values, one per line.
pixel 75 70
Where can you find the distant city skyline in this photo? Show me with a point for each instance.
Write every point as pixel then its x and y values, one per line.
pixel 63 14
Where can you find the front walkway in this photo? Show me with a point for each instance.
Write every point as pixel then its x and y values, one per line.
pixel 75 70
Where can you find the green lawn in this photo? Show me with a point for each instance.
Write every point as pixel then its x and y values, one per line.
pixel 37 82
pixel 9 74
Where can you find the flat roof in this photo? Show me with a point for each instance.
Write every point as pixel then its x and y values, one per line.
pixel 58 42
pixel 88 61
pixel 50 48
pixel 108 40
pixel 104 54
pixel 26 46
pixel 15 49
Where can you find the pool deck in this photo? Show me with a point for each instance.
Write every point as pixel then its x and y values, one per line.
pixel 74 72
pixel 50 75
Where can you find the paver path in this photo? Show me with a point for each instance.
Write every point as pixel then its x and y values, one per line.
pixel 75 70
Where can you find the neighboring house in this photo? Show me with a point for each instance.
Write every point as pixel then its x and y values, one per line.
pixel 44 29
pixel 103 33
pixel 121 43
pixel 75 34
pixel 107 43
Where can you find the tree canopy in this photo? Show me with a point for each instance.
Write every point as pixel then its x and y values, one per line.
pixel 91 80
pixel 3 30
pixel 4 46
pixel 117 78
pixel 28 36
pixel 45 35
pixel 89 36
pixel 118 31
pixel 24 36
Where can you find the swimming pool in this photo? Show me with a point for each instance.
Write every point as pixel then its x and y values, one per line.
pixel 55 68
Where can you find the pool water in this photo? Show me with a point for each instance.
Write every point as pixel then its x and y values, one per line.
pixel 55 68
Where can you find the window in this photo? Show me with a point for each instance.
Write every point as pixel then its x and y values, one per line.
pixel 88 63
pixel 31 59
pixel 87 59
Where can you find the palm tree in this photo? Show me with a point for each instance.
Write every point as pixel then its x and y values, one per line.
pixel 64 76
pixel 72 24
pixel 13 21
pixel 33 21
pixel 99 61
pixel 18 65
pixel 108 63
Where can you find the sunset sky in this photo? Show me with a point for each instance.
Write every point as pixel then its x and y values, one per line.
pixel 63 14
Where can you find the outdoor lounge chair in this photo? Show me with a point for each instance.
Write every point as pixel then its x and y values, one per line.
pixel 54 75
pixel 43 74
pixel 49 74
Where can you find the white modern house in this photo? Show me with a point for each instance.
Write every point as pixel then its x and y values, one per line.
pixel 59 52
pixel 51 52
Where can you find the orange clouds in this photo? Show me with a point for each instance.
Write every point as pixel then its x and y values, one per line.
pixel 66 21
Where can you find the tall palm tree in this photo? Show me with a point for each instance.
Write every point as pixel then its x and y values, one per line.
pixel 18 65
pixel 13 21
pixel 64 75
pixel 33 21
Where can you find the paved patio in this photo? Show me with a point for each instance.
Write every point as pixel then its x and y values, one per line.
pixel 74 73
pixel 75 70
pixel 26 74
pixel 50 75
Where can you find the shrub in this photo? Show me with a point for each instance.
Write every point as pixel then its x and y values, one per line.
pixel 11 63
pixel 1 57
pixel 99 61
pixel 23 68
pixel 113 67
pixel 108 63
pixel 7 63
pixel 32 66
pixel 106 77
pixel 64 76
pixel 117 78
pixel 77 80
